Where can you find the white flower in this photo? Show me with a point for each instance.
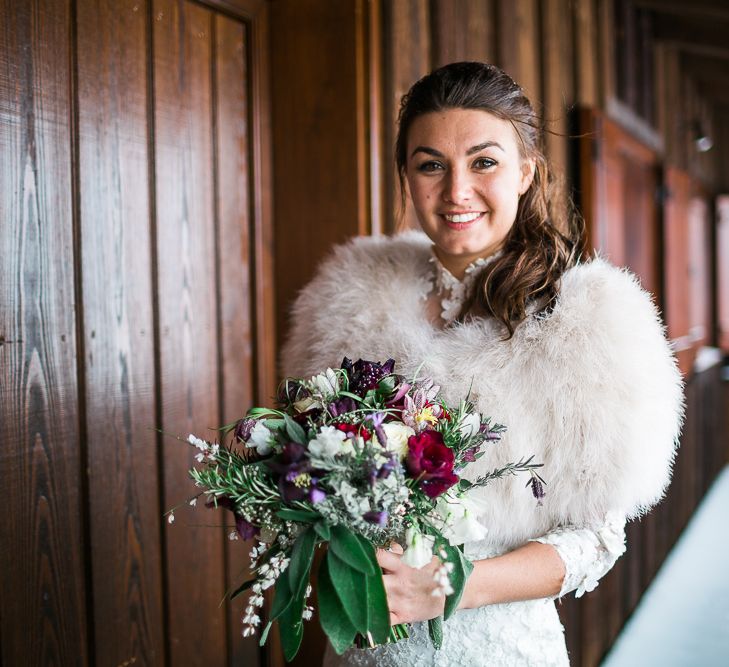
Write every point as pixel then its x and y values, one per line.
pixel 193 501
pixel 327 383
pixel 197 442
pixel 260 439
pixel 233 536
pixel 457 516
pixel 171 518
pixel 419 550
pixel 470 425
pixel 329 442
pixel 397 437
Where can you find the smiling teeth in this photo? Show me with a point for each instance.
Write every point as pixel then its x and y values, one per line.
pixel 462 217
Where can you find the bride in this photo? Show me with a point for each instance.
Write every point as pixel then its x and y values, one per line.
pixel 493 296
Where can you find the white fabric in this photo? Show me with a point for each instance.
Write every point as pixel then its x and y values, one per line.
pixel 591 390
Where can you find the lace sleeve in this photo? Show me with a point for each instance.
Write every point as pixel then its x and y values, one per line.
pixel 588 552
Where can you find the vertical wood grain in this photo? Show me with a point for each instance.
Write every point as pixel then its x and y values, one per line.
pixel 463 30
pixel 558 81
pixel 118 332
pixel 43 590
pixel 407 52
pixel 189 382
pixel 586 52
pixel 518 44
pixel 722 264
pixel 316 138
pixel 235 272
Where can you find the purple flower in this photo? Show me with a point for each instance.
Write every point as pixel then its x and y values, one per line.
pixel 537 488
pixel 378 518
pixel 295 481
pixel 470 454
pixel 341 406
pixel 365 375
pixel 245 528
pixel 243 429
pixel 290 391
pixel 376 419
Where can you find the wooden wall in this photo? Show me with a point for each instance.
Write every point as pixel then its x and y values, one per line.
pixel 135 295
pixel 645 192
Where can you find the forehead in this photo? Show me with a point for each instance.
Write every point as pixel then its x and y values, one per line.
pixel 457 130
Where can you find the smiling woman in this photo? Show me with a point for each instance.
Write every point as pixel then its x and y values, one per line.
pixel 492 301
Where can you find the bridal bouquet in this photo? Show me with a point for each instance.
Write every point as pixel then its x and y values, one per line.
pixel 354 458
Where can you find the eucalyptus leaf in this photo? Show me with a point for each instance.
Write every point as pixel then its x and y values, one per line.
pixel 435 630
pixel 347 547
pixel 351 588
pixel 283 597
pixel 294 431
pixel 291 627
pixel 462 568
pixel 264 634
pixel 301 557
pixel 378 613
pixel 323 530
pixel 334 621
pixel 302 516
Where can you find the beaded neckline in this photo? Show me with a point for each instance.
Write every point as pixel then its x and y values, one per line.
pixel 451 291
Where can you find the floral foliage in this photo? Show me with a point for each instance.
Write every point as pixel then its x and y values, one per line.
pixel 352 459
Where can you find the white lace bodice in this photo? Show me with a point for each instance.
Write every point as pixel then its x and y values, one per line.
pixel 511 634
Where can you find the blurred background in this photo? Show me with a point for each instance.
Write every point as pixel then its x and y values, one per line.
pixel 171 172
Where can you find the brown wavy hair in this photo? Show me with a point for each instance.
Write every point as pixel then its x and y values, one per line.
pixel 547 236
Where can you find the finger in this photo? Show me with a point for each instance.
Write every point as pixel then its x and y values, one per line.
pixel 396 548
pixel 388 561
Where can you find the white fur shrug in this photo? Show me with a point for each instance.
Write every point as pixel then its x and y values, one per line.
pixel 592 389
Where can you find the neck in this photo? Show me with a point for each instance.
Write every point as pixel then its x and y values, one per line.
pixel 457 264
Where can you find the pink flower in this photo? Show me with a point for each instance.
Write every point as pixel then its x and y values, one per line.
pixel 431 462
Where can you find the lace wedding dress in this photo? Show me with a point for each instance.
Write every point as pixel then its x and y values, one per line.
pixel 514 633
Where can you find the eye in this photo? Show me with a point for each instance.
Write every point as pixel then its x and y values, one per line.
pixel 484 163
pixel 430 167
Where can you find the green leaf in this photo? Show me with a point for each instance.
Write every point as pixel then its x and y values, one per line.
pixel 242 588
pixel 334 621
pixel 273 424
pixel 435 630
pixel 351 395
pixel 301 557
pixel 346 545
pixel 387 385
pixel 264 634
pixel 294 431
pixel 462 568
pixel 304 516
pixel 283 597
pixel 351 587
pixel 378 613
pixel 323 530
pixel 291 627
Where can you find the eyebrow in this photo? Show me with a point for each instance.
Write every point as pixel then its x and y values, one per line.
pixel 470 151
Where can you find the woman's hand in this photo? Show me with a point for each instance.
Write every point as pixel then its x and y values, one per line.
pixel 410 592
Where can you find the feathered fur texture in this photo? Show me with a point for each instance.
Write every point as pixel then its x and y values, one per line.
pixel 591 389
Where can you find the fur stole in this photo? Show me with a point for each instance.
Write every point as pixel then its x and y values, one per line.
pixel 591 389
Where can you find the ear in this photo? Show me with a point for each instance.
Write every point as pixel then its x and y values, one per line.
pixel 528 168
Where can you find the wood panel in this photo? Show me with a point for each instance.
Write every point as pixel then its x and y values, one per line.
pixel 700 269
pixel 188 331
pixel 618 183
pixel 316 136
pixel 118 332
pixel 518 45
pixel 43 553
pixel 407 51
pixel 463 30
pixel 235 286
pixel 586 53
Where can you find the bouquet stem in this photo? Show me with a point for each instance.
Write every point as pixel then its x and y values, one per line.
pixel 397 632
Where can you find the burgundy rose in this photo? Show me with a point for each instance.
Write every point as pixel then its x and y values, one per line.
pixel 431 462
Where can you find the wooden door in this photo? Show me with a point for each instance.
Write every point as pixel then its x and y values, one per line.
pixel 136 294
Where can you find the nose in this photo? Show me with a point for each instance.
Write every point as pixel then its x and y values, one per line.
pixel 457 186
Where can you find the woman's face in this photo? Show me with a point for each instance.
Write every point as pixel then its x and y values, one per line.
pixel 465 175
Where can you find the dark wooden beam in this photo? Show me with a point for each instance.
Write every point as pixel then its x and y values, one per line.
pixel 705 9
pixel 701 32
